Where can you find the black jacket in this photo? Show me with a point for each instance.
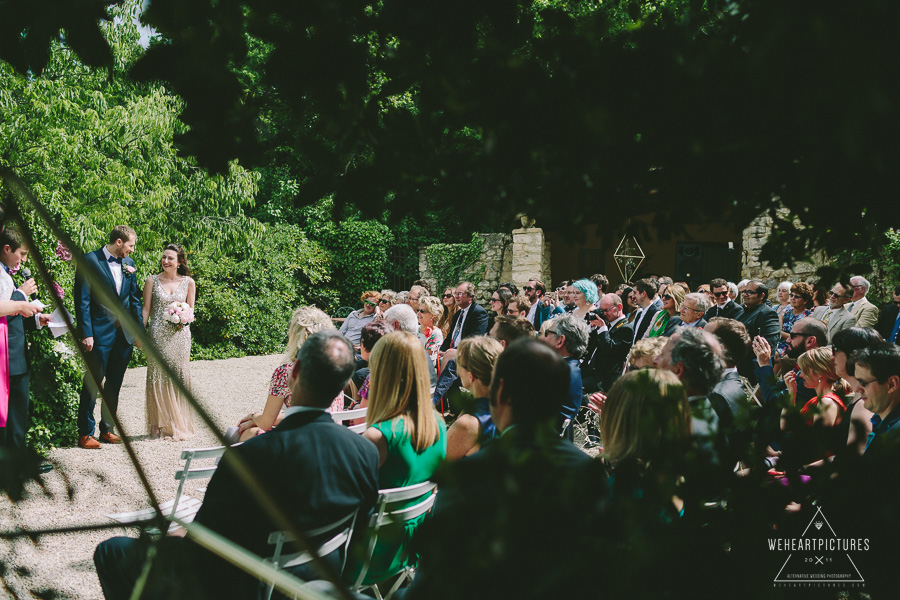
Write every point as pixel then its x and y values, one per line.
pixel 729 311
pixel 475 324
pixel 605 357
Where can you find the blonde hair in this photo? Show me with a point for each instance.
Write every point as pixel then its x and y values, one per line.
pixel 646 411
pixel 647 347
pixel 399 387
pixel 477 355
pixel 305 321
pixel 432 305
pixel 677 293
pixel 819 362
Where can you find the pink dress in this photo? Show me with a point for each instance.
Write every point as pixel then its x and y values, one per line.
pixel 280 387
pixel 7 287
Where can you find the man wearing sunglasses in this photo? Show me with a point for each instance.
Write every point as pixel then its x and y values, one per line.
pixel 725 307
pixel 835 315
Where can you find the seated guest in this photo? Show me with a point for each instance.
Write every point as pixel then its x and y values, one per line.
pixel 857 418
pixel 387 299
pixel 801 307
pixel 402 318
pixel 522 487
pixel 354 322
pixel 888 322
pixel 585 297
pixel 416 293
pixel 468 321
pixel 759 320
pixel 474 428
pixel 500 299
pixel 409 435
pixel 429 311
pixel 692 310
pixel 724 306
pixel 671 299
pixel 729 398
pixel 399 298
pixel 877 372
pixel 508 329
pixel 513 288
pixel 602 283
pixel 370 334
pixel 449 309
pixel 645 423
pixel 783 295
pixel 520 305
pixel 643 353
pixel 835 314
pixel 696 358
pixel 312 489
pixel 305 321
pixel 568 336
pixel 610 340
pixel 830 401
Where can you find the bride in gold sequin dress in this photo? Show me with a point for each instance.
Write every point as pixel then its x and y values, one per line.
pixel 168 412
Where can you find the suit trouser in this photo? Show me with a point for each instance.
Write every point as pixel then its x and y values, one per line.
pixel 103 361
pixel 17 420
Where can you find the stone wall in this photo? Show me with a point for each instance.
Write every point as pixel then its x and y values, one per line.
pixel 752 268
pixel 530 255
pixel 496 258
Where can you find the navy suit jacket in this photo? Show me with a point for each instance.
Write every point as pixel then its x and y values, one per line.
pixel 762 321
pixel 475 324
pixel 729 311
pixel 18 349
pixel 317 472
pixel 93 318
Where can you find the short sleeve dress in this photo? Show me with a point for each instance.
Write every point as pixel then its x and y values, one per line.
pixel 404 466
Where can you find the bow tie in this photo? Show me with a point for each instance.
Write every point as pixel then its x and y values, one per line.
pixel 113 259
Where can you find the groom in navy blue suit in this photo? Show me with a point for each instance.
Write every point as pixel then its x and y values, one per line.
pixel 107 342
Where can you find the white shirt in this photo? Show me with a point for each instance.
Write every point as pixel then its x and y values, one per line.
pixel 457 331
pixel 116 269
pixel 533 311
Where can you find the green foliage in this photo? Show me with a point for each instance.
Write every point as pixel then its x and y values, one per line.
pixel 879 263
pixel 56 376
pixel 359 252
pixel 244 302
pixel 452 263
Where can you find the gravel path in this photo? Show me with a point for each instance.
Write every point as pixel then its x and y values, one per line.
pixel 105 482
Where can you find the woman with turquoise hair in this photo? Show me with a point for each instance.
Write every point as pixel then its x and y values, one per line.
pixel 585 297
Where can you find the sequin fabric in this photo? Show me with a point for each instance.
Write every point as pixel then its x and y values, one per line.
pixel 168 412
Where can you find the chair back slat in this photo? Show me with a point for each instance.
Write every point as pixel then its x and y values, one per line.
pixel 347 415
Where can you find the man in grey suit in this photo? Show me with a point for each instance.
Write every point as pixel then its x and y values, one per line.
pixel 865 312
pixel 759 319
pixel 836 316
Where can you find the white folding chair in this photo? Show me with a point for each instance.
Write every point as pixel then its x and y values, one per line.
pixel 338 535
pixel 386 513
pixel 348 415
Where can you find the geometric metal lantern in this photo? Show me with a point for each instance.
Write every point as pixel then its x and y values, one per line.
pixel 628 257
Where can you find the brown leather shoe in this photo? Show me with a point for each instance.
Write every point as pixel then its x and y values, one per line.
pixel 110 438
pixel 88 442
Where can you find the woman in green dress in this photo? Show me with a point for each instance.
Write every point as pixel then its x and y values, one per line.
pixel 409 434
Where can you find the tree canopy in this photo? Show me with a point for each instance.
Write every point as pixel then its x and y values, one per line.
pixel 570 111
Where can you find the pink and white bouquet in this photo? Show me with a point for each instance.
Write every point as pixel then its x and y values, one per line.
pixel 179 314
